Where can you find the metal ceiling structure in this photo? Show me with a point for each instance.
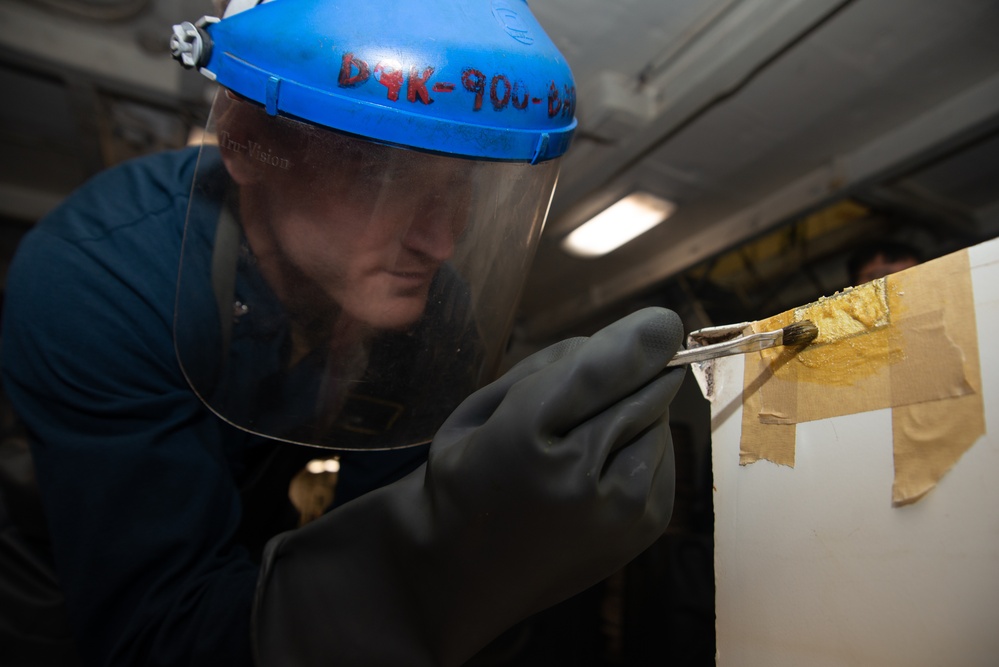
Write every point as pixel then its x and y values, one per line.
pixel 752 114
pixel 760 119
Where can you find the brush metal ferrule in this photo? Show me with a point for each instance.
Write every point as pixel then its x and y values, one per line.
pixel 742 345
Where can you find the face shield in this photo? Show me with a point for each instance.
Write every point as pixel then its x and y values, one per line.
pixel 365 210
pixel 345 293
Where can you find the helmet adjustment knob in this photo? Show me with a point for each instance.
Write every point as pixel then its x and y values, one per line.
pixel 190 45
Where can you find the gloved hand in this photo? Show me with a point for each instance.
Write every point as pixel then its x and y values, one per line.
pixel 538 486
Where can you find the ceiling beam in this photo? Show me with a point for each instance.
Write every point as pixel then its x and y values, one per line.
pixel 106 54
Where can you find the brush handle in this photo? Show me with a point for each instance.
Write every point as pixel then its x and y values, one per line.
pixel 741 345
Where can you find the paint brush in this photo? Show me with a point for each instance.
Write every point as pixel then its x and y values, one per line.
pixel 798 334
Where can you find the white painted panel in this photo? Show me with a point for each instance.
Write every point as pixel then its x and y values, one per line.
pixel 815 567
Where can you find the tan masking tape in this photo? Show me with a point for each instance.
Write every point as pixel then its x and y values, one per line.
pixel 906 342
pixel 930 437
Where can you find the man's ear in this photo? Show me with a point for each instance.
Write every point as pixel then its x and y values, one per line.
pixel 241 168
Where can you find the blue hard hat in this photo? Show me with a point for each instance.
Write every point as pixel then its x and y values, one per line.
pixel 477 79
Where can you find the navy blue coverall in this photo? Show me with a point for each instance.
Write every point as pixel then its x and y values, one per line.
pixel 157 510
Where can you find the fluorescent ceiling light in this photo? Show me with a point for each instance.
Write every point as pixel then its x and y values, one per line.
pixel 614 226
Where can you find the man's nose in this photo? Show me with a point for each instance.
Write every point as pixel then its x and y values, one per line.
pixel 432 234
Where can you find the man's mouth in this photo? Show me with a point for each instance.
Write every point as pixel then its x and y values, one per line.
pixel 418 278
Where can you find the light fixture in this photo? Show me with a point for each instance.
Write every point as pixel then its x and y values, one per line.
pixel 197 135
pixel 614 226
pixel 319 466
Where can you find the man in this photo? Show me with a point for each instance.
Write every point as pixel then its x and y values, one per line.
pixel 877 260
pixel 337 271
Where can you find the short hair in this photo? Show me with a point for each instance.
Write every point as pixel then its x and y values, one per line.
pixel 892 251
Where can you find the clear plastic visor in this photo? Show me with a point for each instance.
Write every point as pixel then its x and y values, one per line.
pixel 346 294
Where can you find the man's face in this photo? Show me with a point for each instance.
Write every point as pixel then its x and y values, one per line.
pixel 369 232
pixel 880 266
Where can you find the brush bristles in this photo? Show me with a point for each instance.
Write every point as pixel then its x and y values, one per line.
pixel 799 333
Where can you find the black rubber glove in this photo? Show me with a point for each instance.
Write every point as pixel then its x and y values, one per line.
pixel 538 486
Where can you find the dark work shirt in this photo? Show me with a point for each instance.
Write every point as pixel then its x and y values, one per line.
pixel 156 508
